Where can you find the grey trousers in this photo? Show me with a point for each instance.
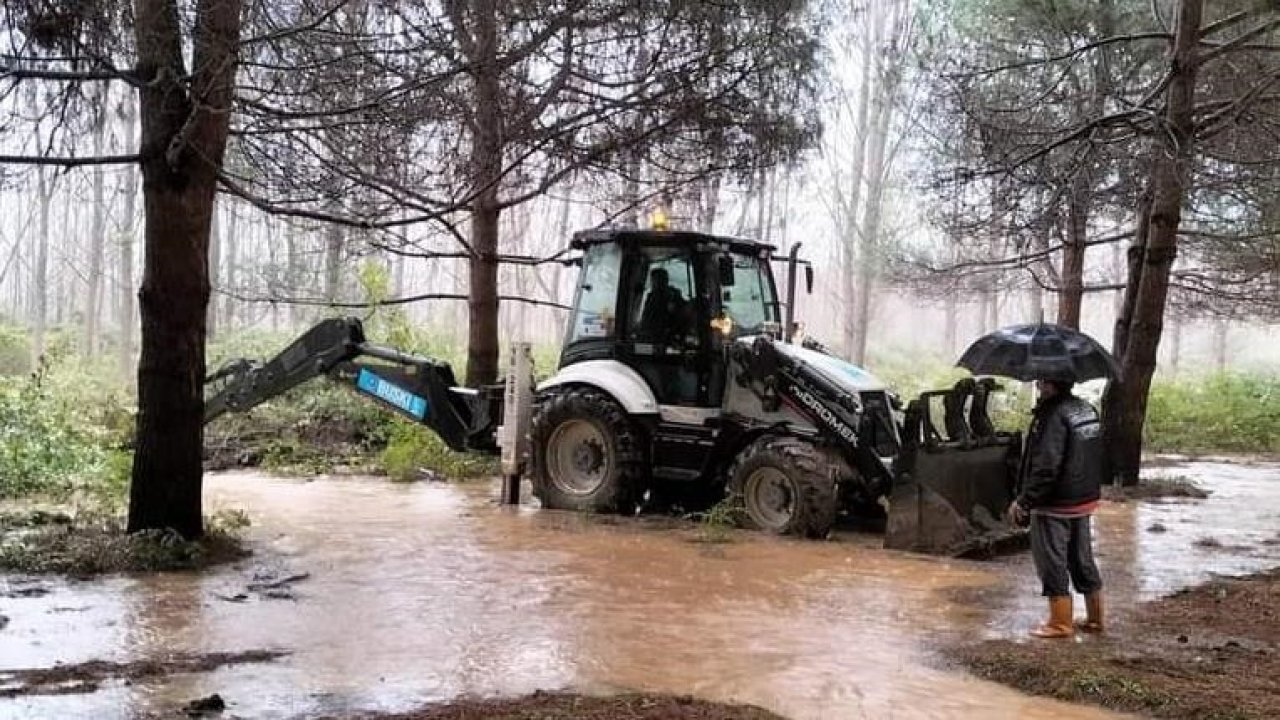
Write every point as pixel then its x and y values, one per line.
pixel 1062 549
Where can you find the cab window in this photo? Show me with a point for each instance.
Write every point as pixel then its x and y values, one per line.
pixel 749 301
pixel 597 294
pixel 662 299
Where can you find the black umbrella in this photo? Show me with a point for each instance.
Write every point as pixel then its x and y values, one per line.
pixel 1039 351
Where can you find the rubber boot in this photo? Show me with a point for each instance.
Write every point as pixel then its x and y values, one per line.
pixel 1094 621
pixel 1059 624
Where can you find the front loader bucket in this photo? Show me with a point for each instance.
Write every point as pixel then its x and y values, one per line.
pixel 950 497
pixel 952 502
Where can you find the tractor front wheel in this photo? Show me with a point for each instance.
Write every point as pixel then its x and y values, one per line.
pixel 587 453
pixel 778 484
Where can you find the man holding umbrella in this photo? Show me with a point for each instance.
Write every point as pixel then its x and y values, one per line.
pixel 1061 484
pixel 1064 461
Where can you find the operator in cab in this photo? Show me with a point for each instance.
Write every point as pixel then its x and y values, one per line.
pixel 663 315
pixel 1061 480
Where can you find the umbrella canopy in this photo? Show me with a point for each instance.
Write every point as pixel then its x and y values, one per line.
pixel 1041 351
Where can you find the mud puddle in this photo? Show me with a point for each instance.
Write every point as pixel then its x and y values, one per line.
pixel 390 596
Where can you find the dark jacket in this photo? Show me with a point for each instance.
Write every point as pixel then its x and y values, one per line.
pixel 1065 462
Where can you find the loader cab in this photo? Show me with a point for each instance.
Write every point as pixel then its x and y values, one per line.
pixel 664 303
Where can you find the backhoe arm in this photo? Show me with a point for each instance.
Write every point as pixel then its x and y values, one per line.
pixel 420 389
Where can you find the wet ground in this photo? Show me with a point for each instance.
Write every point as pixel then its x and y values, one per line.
pixel 389 596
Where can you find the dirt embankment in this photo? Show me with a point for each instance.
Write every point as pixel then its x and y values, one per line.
pixel 563 706
pixel 1207 653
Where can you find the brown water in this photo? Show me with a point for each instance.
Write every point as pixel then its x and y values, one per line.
pixel 425 592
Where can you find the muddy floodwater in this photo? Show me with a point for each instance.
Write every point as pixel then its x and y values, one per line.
pixel 424 592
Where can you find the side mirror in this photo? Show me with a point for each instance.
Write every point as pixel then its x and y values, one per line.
pixel 724 268
pixel 808 279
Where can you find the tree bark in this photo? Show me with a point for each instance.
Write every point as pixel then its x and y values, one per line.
pixel 486 173
pixel 882 107
pixel 295 272
pixel 230 264
pixel 1169 178
pixel 951 319
pixel 184 134
pixel 1175 346
pixel 1220 328
pixel 63 280
pixel 849 255
pixel 215 262
pixel 333 244
pixel 97 236
pixel 1071 296
pixel 125 300
pixel 40 281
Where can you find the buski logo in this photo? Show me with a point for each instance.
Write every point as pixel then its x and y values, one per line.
pixel 839 426
pixel 397 396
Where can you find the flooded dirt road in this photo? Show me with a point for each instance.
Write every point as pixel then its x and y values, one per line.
pixel 424 592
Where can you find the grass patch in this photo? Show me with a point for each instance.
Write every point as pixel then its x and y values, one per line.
pixel 413 451
pixel 1226 412
pixel 91 542
pixel 717 524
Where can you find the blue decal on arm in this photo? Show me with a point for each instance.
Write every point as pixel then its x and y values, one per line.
pixel 370 383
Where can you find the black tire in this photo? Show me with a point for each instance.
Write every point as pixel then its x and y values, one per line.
pixel 597 462
pixel 780 485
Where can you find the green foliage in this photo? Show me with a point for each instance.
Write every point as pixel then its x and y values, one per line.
pixel 55 432
pixel 1215 413
pixel 910 373
pixel 718 522
pixel 15 351
pixel 412 448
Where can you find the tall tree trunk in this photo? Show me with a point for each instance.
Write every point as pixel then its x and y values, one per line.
pixel 1071 296
pixel 64 278
pixel 1220 345
pixel 951 319
pixel 40 279
pixel 849 255
pixel 1169 178
pixel 709 206
pixel 125 300
pixel 230 273
pixel 761 193
pixel 882 107
pixel 1175 345
pixel 1080 198
pixel 333 244
pixel 215 262
pixel 1118 272
pixel 184 135
pixel 770 206
pixel 486 173
pixel 295 271
pixel 1035 296
pixel 98 235
pixel 785 211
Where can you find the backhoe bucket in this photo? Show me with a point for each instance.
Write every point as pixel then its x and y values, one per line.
pixel 950 496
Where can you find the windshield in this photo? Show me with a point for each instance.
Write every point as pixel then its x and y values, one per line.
pixel 750 301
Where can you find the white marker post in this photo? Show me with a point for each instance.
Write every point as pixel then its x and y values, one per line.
pixel 517 409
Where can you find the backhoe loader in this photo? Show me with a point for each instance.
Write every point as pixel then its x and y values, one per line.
pixel 680 383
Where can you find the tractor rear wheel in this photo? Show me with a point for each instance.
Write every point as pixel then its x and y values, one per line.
pixel 587 453
pixel 779 484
